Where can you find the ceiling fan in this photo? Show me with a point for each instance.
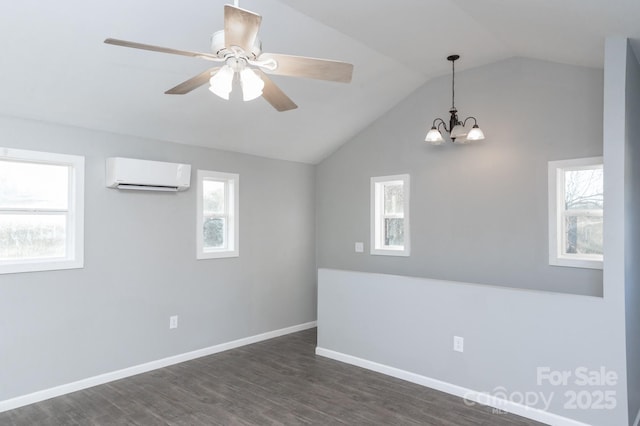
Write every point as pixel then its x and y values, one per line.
pixel 240 51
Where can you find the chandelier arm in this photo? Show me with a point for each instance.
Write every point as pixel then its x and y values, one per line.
pixel 475 122
pixel 440 122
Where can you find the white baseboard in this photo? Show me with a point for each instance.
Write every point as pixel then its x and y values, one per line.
pixel 38 396
pixel 468 394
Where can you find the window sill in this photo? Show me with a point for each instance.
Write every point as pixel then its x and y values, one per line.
pixel 217 254
pixel 576 263
pixel 390 252
pixel 39 266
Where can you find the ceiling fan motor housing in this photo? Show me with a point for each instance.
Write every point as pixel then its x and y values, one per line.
pixel 219 48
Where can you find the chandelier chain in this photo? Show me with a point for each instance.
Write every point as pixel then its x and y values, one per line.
pixel 453 85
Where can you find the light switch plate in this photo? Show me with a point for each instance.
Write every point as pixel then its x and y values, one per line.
pixel 359 247
pixel 458 344
pixel 173 321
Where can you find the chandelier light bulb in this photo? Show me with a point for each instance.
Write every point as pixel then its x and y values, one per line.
pixel 458 132
pixel 475 134
pixel 434 136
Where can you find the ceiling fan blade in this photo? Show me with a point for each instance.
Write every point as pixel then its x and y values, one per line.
pixel 193 83
pixel 301 66
pixel 240 27
pixel 274 95
pixel 153 48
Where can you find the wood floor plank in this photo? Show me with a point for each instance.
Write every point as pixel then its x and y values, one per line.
pixel 276 382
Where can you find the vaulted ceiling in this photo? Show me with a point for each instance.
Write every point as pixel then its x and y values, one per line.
pixel 54 66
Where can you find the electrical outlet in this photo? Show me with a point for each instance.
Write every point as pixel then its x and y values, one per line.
pixel 458 344
pixel 173 321
pixel 359 247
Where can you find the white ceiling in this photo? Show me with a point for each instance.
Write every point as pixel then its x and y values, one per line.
pixel 54 66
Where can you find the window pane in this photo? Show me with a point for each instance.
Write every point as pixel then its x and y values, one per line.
pixel 393 232
pixel 33 185
pixel 32 236
pixel 214 232
pixel 583 235
pixel 393 199
pixel 213 193
pixel 583 189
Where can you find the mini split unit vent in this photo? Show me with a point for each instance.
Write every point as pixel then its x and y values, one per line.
pixel 144 175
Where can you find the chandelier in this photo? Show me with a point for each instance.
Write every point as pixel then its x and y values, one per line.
pixel 456 130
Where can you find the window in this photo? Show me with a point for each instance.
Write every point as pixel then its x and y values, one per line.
pixel 218 227
pixel 41 211
pixel 390 215
pixel 576 202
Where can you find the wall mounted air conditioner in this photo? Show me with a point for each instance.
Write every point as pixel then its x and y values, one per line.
pixel 130 173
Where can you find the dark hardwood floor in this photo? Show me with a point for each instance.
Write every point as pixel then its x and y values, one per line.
pixel 280 381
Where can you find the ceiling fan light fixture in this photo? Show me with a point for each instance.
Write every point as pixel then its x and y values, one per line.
pixel 252 85
pixel 221 83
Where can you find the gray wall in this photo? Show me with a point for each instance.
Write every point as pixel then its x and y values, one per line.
pixel 479 217
pixel 140 266
pixel 409 323
pixel 478 212
pixel 632 235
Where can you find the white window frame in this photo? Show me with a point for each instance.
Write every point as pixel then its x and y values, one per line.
pixel 74 246
pixel 557 257
pixel 378 217
pixel 232 204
